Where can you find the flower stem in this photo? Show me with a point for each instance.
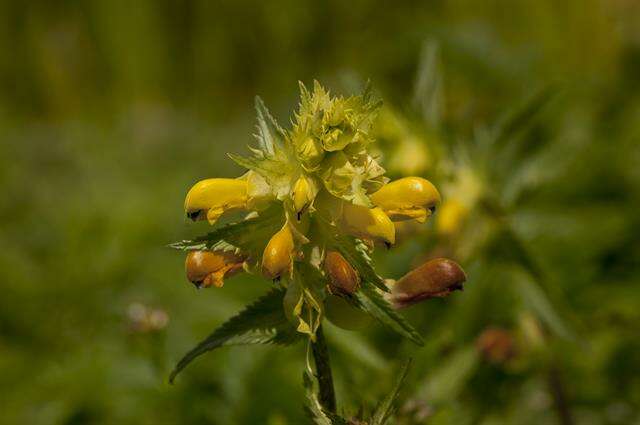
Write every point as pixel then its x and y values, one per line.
pixel 323 372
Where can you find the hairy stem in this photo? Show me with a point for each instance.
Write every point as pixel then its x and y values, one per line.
pixel 323 372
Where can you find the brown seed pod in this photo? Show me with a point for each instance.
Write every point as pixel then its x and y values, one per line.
pixel 435 278
pixel 343 279
pixel 209 268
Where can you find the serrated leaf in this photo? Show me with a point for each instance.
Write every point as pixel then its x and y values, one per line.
pixel 373 303
pixel 262 322
pixel 270 135
pixel 248 235
pixel 276 169
pixel 354 251
pixel 387 406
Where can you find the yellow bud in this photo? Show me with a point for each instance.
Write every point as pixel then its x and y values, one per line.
pixel 450 217
pixel 368 223
pixel 209 268
pixel 407 198
pixel 210 198
pixel 277 256
pixel 310 153
pixel 435 278
pixel 343 279
pixel 302 194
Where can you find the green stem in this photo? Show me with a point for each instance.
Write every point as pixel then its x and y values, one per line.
pixel 323 372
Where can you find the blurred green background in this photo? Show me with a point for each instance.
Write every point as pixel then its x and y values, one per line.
pixel 111 110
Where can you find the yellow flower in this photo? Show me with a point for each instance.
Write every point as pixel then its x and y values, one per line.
pixel 368 223
pixel 278 254
pixel 407 198
pixel 303 194
pixel 207 268
pixel 210 198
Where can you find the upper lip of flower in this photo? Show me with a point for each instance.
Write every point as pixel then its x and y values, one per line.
pixel 210 198
pixel 407 198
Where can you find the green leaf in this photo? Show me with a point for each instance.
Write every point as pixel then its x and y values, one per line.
pixel 314 409
pixel 373 303
pixel 248 235
pixel 270 135
pixel 521 118
pixel 355 252
pixel 356 347
pixel 428 90
pixel 387 407
pixel 262 322
pixel 445 383
pixel 276 169
pixel 534 297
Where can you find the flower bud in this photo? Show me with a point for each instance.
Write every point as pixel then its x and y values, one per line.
pixel 407 198
pixel 207 268
pixel 368 223
pixel 343 279
pixel 210 198
pixel 277 256
pixel 310 153
pixel 302 194
pixel 435 278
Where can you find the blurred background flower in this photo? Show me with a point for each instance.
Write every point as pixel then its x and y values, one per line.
pixel 110 109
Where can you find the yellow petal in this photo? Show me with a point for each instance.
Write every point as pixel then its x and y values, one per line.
pixel 210 198
pixel 407 198
pixel 368 223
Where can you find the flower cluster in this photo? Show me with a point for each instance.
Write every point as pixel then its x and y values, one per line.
pixel 319 203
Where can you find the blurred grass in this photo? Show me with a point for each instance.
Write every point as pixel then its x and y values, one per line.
pixel 110 110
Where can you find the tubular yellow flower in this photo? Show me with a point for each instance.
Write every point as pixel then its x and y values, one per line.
pixel 277 256
pixel 302 194
pixel 368 223
pixel 435 278
pixel 407 198
pixel 210 198
pixel 343 279
pixel 209 268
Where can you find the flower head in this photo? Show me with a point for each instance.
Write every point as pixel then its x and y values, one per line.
pixel 317 202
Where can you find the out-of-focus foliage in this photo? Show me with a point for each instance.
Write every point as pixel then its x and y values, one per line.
pixel 110 110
